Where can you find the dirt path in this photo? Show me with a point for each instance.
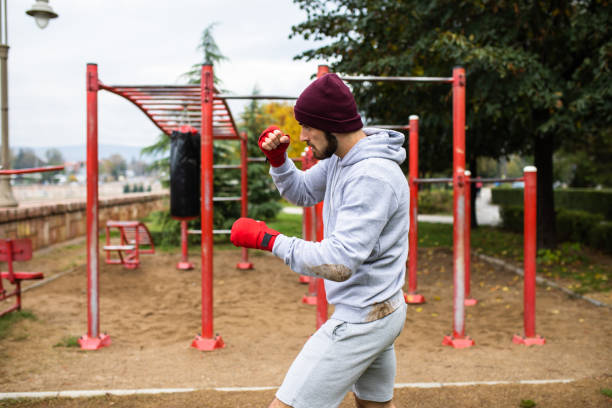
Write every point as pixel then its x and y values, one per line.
pixel 153 313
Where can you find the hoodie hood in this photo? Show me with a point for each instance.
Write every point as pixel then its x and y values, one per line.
pixel 379 143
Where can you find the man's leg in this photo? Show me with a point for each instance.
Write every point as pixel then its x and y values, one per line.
pixel 373 404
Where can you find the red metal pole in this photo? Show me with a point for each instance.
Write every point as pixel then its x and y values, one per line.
pixel 468 231
pixel 458 338
pixel 93 340
pixel 412 296
pixel 184 263
pixel 244 264
pixel 529 259
pixel 321 295
pixel 207 340
pixel 309 221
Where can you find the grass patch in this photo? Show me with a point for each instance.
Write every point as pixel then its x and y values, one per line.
pixel 9 320
pixel 287 224
pixel 606 391
pixel 68 341
pixel 527 404
pixel 569 261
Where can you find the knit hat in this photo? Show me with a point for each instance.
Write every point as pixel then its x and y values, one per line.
pixel 328 104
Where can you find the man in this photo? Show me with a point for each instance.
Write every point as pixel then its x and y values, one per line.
pixel 363 255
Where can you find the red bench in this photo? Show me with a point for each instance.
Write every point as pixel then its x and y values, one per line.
pixel 134 239
pixel 15 250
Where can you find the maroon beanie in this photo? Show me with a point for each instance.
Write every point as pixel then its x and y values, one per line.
pixel 328 104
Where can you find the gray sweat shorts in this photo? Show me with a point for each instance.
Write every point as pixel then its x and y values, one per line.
pixel 342 355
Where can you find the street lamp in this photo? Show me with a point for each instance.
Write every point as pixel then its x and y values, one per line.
pixel 42 12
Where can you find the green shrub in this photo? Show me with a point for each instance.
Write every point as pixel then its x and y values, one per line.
pixel 436 202
pixel 582 199
pixel 589 200
pixel 507 196
pixel 575 226
pixel 600 237
pixel 512 218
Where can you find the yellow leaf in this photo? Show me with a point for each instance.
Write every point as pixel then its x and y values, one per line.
pixel 419 309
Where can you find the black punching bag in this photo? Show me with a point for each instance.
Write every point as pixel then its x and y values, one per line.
pixel 185 173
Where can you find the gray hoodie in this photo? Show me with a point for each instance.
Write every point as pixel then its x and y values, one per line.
pixel 366 218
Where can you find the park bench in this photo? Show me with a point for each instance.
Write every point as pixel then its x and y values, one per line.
pixel 15 250
pixel 134 239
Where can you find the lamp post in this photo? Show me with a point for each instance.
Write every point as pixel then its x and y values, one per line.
pixel 42 13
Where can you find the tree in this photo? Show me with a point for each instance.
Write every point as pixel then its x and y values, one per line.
pixel 538 73
pixel 263 196
pixel 53 158
pixel 26 158
pixel 281 115
pixel 115 166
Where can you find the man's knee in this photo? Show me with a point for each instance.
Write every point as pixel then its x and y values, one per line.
pixel 373 404
pixel 278 404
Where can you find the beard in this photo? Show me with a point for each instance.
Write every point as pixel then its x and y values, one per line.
pixel 330 149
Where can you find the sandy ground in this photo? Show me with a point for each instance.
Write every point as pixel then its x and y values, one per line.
pixel 152 314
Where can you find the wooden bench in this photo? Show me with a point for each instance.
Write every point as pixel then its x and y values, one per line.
pixel 134 239
pixel 15 250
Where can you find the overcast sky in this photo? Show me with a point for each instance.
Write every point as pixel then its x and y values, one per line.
pixel 139 42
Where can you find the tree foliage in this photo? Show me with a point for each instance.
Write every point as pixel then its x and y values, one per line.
pixel 281 115
pixel 538 71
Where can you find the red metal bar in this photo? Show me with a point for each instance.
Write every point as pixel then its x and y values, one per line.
pixel 309 232
pixel 93 340
pixel 32 170
pixel 458 338
pixel 412 296
pixel 244 196
pixel 207 340
pixel 321 295
pixel 529 259
pixel 184 263
pixel 468 228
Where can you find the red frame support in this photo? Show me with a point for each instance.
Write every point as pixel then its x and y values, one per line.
pixel 468 228
pixel 529 258
pixel 322 312
pixel 207 340
pixel 412 297
pixel 184 264
pixel 93 340
pixel 458 339
pixel 244 264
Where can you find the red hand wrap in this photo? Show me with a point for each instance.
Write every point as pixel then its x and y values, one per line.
pixel 247 232
pixel 276 156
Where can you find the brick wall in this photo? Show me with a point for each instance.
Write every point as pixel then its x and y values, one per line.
pixel 48 224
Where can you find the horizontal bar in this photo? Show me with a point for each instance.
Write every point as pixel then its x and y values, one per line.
pixel 496 180
pixel 390 126
pixel 396 79
pixel 199 232
pixel 432 180
pixel 32 170
pixel 153 86
pixel 253 97
pixel 227 166
pixel 227 199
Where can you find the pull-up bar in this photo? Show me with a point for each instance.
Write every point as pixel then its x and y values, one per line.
pixel 360 78
pixel 253 97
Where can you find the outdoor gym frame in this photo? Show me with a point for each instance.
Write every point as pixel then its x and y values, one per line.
pixel 167 105
pixel 461 216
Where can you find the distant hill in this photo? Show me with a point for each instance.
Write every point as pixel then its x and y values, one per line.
pixel 79 153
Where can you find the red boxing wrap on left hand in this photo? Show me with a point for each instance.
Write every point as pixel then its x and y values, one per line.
pixel 276 156
pixel 246 232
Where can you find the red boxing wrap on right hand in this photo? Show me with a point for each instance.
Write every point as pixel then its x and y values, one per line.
pixel 276 156
pixel 246 232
